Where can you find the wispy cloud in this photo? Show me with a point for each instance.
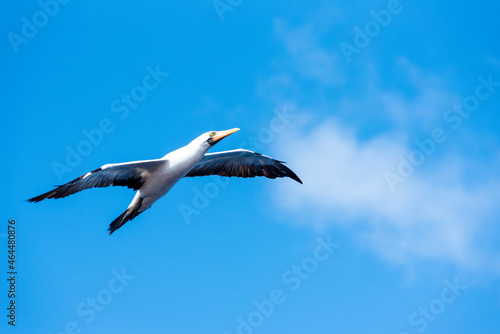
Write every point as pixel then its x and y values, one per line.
pixel 436 215
pixel 421 102
pixel 310 59
pixel 441 213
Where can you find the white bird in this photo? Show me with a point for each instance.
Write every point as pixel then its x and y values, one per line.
pixel 154 178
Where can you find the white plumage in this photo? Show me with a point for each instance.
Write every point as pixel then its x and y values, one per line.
pixel 154 178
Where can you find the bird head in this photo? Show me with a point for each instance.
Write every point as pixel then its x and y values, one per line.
pixel 213 137
pixel 205 141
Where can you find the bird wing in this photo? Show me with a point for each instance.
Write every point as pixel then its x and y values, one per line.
pixel 129 174
pixel 241 163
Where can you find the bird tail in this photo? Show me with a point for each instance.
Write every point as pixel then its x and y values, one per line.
pixel 129 214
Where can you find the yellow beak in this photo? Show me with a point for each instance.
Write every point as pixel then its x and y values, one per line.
pixel 221 134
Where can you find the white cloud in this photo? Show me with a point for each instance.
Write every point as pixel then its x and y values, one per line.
pixel 353 132
pixel 429 216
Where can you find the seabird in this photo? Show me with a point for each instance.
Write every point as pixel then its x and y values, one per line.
pixel 154 178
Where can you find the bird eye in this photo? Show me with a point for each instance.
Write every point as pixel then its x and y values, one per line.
pixel 212 134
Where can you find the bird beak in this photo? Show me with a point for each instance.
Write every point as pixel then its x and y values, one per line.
pixel 221 134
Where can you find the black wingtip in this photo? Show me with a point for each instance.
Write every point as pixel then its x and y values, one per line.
pixel 293 176
pixel 289 172
pixel 36 199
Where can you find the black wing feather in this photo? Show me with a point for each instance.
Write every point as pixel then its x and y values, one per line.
pixel 131 175
pixel 241 163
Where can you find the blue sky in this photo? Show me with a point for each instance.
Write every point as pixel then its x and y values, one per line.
pixel 395 229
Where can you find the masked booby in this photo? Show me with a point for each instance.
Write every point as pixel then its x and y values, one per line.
pixel 152 179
